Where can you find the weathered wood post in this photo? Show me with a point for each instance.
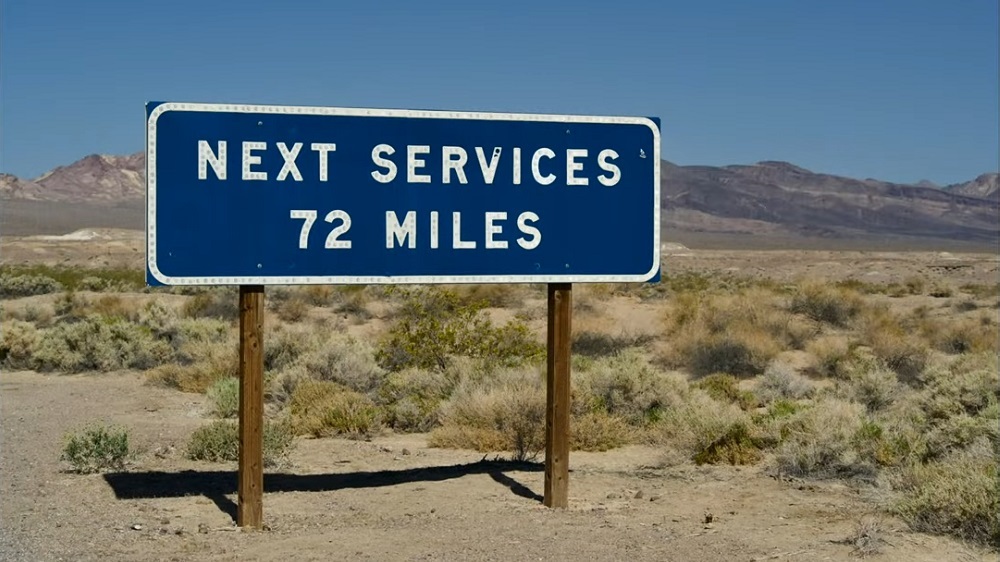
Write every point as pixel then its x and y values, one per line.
pixel 557 402
pixel 250 492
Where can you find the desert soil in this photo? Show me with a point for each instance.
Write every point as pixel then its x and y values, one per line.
pixel 393 498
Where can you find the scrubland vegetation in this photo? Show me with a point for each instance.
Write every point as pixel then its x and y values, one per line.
pixel 811 379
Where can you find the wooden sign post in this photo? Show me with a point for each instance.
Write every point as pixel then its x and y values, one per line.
pixel 250 491
pixel 558 398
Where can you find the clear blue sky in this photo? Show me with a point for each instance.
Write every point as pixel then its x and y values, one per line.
pixel 900 90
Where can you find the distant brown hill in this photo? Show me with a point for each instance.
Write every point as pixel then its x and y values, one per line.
pixel 749 203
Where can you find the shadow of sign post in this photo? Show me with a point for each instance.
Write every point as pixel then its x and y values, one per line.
pixel 255 195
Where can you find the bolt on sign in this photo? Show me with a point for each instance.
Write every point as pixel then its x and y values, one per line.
pixel 279 195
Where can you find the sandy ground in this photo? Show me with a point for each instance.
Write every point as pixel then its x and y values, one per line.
pixel 393 498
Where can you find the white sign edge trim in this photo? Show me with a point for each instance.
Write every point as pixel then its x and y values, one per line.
pixel 404 113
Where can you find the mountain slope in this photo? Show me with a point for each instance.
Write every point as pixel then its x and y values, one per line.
pixel 769 198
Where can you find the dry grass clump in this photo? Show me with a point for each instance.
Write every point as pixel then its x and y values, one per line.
pixel 708 431
pixel 737 335
pixel 966 335
pixel 830 352
pixel 600 431
pixel 894 341
pixel 725 388
pixel 220 303
pixel 18 340
pixel 594 343
pixel 323 408
pixel 504 413
pixel 346 361
pixel 224 397
pixel 824 303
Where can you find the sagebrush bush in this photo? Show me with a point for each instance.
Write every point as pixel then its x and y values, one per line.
pixel 73 278
pixel 781 381
pixel 829 353
pixel 18 341
pixel 411 399
pixel 199 364
pixel 599 431
pixel 599 344
pixel 872 385
pixel 13 286
pixel 627 386
pixel 964 336
pixel 98 343
pixel 219 441
pixel 284 346
pixel 98 448
pixel 820 439
pixel 503 413
pixel 435 325
pixel 224 397
pixel 346 361
pixel 710 430
pixel 958 495
pixel 740 352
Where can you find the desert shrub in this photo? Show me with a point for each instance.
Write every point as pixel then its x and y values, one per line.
pixel 13 286
pixel 736 446
pixel 491 295
pixel 981 290
pixel 819 440
pixel 599 431
pixel 599 344
pixel 292 310
pixel 895 343
pixel 40 315
pixel 725 388
pixel 958 495
pixel 347 361
pixel 781 381
pixel 18 341
pixel 71 278
pixel 969 385
pixel 740 353
pixel 318 295
pixel 627 386
pixel 824 303
pixel 219 441
pixel 829 352
pixel 915 285
pixel 200 364
pixel 887 444
pixel 101 344
pixel 284 346
pixel 434 326
pixel 322 408
pixel 98 448
pixel 939 291
pixel 220 303
pixel 872 385
pixel 705 428
pixel 281 386
pixel 224 397
pixel 412 398
pixel 965 336
pixel 504 413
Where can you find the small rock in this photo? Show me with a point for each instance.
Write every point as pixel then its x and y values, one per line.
pixel 165 521
pixel 709 525
pixel 179 531
pixel 655 498
pixel 405 452
pixel 709 517
pixel 203 528
pixel 397 458
pixel 137 527
pixel 638 495
pixel 385 449
pixel 613 496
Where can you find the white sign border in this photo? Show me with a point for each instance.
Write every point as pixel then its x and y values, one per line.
pixel 162 108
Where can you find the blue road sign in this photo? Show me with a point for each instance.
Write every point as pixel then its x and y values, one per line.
pixel 247 195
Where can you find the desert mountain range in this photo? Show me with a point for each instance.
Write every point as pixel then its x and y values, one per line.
pixel 766 199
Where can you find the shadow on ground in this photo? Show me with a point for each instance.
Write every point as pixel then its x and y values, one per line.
pixel 216 484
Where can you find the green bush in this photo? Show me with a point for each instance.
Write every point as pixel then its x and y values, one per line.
pixel 224 396
pixel 219 441
pixel 725 388
pixel 435 325
pixel 411 399
pixel 81 278
pixel 98 448
pixel 736 446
